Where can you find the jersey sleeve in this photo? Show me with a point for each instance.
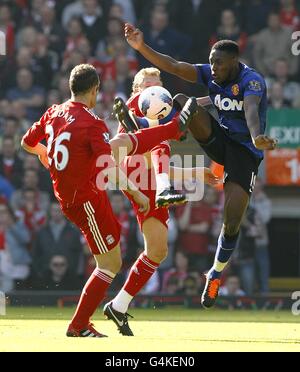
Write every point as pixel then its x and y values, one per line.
pixel 99 138
pixel 133 105
pixel 36 133
pixel 254 85
pixel 203 74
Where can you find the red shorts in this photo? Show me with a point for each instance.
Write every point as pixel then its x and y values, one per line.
pixel 97 222
pixel 161 214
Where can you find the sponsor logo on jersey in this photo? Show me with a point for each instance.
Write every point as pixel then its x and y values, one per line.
pixel 227 104
pixel 235 90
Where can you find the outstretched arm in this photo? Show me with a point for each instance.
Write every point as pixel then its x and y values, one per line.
pixel 135 39
pixel 260 141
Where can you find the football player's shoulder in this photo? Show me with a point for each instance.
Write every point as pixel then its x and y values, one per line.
pixel 52 109
pixel 90 115
pixel 92 120
pixel 251 74
pixel 254 81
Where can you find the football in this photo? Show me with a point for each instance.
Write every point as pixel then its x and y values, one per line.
pixel 155 103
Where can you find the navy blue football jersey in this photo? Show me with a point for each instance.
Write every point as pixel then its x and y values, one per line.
pixel 228 99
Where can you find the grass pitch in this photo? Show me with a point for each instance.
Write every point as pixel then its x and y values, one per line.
pixel 169 329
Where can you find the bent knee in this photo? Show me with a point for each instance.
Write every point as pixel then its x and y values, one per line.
pixel 180 100
pixel 158 254
pixel 113 266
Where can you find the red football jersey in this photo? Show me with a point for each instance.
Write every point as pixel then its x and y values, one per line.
pixel 75 138
pixel 133 104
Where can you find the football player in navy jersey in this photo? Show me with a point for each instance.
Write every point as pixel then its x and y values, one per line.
pixel 235 139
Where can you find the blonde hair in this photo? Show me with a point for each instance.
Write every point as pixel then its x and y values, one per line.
pixel 141 75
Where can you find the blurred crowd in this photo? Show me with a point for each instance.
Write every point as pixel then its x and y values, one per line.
pixel 39 249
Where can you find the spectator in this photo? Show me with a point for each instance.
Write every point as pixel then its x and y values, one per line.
pixel 53 97
pixel 50 27
pixel 289 15
pixel 93 22
pixel 18 111
pixel 6 189
pixel 57 237
pixel 77 8
pixel 30 181
pixel 232 287
pixel 263 212
pixel 27 37
pixel 74 36
pixel 246 251
pixel 30 214
pixel 229 29
pixel 58 277
pixel 291 89
pixel 11 129
pixel 145 9
pixel 31 162
pixel 127 10
pixel 11 166
pixel 180 272
pixel 30 95
pixel 189 15
pixel 7 26
pixel 105 49
pixel 265 54
pixel 190 286
pixel 276 97
pixel 195 221
pixel 63 87
pixel 14 256
pixel 163 38
pixel 257 12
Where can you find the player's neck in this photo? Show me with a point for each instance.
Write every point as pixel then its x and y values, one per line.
pixel 81 99
pixel 234 73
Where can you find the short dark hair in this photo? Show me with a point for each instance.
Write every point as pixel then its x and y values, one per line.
pixel 83 78
pixel 228 46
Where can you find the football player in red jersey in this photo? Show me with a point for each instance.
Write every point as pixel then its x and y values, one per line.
pixel 76 139
pixel 154 225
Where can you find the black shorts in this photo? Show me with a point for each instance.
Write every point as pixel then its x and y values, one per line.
pixel 240 165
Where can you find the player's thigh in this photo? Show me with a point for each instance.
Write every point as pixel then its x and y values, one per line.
pixel 110 261
pixel 155 234
pixel 201 124
pixel 215 145
pixel 240 166
pixel 97 222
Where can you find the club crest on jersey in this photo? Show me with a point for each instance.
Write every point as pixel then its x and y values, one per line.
pixel 110 239
pixel 255 85
pixel 235 90
pixel 227 104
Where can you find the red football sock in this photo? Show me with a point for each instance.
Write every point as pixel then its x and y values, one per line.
pixel 160 156
pixel 146 139
pixel 92 294
pixel 139 274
